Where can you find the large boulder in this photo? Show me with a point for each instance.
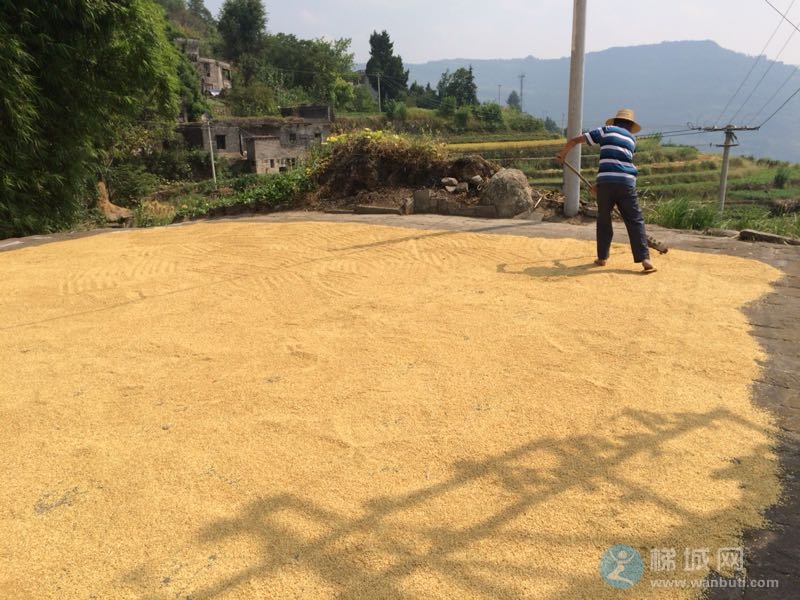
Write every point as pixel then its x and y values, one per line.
pixel 509 192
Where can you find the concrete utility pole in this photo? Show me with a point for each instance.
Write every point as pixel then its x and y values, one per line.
pixel 572 184
pixel 207 119
pixel 521 80
pixel 730 142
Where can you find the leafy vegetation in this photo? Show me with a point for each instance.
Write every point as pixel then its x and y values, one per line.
pixel 57 122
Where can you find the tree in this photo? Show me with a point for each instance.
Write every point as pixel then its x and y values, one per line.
pixel 321 68
pixel 385 64
pixel 199 10
pixel 514 101
pixel 243 27
pixel 459 85
pixel 253 100
pixel 423 97
pixel 78 74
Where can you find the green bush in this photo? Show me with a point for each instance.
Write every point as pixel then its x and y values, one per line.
pixel 681 213
pixel 781 178
pixel 490 115
pixel 269 191
pixel 129 182
pixel 447 108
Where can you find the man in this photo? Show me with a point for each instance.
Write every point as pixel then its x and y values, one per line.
pixel 616 185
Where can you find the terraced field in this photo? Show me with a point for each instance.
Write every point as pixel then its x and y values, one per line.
pixel 763 190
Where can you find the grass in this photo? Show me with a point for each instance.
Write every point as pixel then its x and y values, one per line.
pixel 682 213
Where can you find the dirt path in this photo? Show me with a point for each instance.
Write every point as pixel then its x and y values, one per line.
pixel 322 409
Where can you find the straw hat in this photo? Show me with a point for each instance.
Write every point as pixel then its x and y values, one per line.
pixel 627 115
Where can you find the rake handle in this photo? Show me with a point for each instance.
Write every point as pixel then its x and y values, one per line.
pixel 578 173
pixel 651 241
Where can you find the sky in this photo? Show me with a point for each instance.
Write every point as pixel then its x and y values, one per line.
pixel 425 30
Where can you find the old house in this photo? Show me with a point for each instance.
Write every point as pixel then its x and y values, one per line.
pixel 215 75
pixel 268 144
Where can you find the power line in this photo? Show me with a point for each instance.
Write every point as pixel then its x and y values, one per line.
pixel 772 64
pixel 752 68
pixel 785 81
pixel 796 28
pixel 797 91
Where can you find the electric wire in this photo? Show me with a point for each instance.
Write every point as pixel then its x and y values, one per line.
pixel 782 106
pixel 768 102
pixel 752 68
pixel 760 81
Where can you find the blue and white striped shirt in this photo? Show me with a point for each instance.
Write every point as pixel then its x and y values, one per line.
pixel 617 146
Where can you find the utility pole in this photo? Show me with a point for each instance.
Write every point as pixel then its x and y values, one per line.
pixel 379 93
pixel 521 79
pixel 211 148
pixel 500 94
pixel 730 142
pixel 572 184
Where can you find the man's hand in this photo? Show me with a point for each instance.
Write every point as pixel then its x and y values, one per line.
pixel 593 190
pixel 562 156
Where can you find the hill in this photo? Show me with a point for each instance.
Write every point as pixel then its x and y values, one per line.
pixel 668 84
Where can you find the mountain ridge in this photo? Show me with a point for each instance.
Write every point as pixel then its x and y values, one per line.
pixel 671 85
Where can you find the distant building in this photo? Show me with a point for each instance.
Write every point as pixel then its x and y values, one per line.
pixel 215 75
pixel 269 144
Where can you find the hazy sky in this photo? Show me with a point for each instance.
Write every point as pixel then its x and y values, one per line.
pixel 436 29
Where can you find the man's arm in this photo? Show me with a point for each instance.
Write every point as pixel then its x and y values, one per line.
pixel 571 143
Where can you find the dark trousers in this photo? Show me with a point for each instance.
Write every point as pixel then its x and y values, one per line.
pixel 623 197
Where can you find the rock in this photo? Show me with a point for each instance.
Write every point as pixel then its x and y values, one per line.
pixel 763 236
pixel 449 182
pixel 449 189
pixel 509 192
pixel 424 202
pixel 475 181
pixel 408 206
pixel 468 166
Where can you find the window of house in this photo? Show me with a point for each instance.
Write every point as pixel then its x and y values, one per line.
pixel 226 74
pixel 220 139
pixel 271 163
pixel 292 137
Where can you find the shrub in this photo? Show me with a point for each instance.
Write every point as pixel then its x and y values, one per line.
pixel 461 118
pixel 680 213
pixel 447 108
pixel 781 178
pixel 129 182
pixel 490 115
